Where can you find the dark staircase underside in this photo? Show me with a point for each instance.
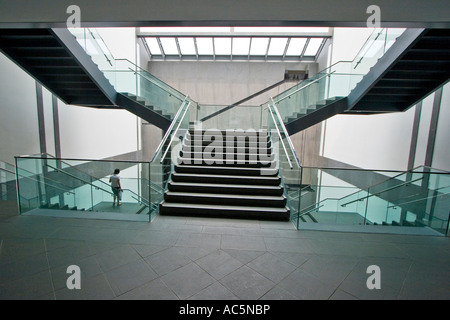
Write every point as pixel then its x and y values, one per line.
pixel 237 187
pixel 55 59
pixel 417 64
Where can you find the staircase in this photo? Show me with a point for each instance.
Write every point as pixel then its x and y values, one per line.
pixel 415 65
pixel 57 61
pixel 55 58
pixel 226 182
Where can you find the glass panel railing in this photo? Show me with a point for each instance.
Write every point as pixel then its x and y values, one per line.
pixel 286 159
pixel 375 47
pixel 168 151
pixel 128 78
pixel 145 88
pixel 418 198
pixel 83 185
pixel 230 117
pixel 8 190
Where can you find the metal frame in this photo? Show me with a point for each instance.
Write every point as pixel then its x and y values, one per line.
pixel 232 57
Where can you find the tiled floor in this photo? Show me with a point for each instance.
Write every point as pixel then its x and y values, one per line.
pixel 195 258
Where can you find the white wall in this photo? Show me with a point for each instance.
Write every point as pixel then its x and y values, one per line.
pixel 90 133
pixel 370 142
pixel 121 42
pixel 222 83
pixel 19 133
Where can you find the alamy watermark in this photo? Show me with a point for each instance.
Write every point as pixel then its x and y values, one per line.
pixel 374 280
pixel 374 20
pixel 74 280
pixel 74 20
pixel 229 147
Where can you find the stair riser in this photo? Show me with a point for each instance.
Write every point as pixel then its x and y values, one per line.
pixel 228 133
pixel 269 181
pixel 230 156
pixel 226 171
pixel 229 138
pixel 234 214
pixel 230 144
pixel 221 190
pixel 227 149
pixel 228 201
pixel 226 163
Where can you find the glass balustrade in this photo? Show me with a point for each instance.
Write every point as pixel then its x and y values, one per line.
pixel 74 185
pixel 7 182
pixel 416 198
pixel 286 159
pixel 168 151
pixel 128 78
pixel 230 117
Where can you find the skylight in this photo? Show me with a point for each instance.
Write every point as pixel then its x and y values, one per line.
pixel 234 43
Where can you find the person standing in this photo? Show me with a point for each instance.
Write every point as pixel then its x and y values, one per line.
pixel 115 186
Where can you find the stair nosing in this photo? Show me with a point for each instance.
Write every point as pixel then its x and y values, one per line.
pixel 284 209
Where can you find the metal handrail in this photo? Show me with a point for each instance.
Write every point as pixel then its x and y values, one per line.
pixel 306 85
pixel 75 177
pixel 305 213
pixel 384 181
pixel 175 119
pixel 412 201
pixel 281 138
pixel 379 192
pixel 176 130
pixel 286 133
pixel 25 177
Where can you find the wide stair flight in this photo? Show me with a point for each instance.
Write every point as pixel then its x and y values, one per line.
pixel 235 177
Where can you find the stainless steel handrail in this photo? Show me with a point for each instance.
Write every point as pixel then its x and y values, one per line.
pixel 306 85
pixel 173 136
pixel 175 119
pixel 286 133
pixel 281 138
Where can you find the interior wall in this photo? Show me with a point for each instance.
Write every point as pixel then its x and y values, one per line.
pixel 19 130
pixel 222 83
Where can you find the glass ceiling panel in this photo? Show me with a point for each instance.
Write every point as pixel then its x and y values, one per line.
pixel 187 45
pixel 277 46
pixel 169 46
pixel 241 46
pixel 259 46
pixel 296 46
pixel 313 46
pixel 281 30
pixel 222 46
pixel 153 46
pixel 178 30
pixel 205 46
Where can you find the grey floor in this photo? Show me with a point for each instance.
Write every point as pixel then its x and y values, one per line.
pixel 197 258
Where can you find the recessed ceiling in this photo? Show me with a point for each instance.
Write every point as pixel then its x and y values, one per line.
pixel 234 43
